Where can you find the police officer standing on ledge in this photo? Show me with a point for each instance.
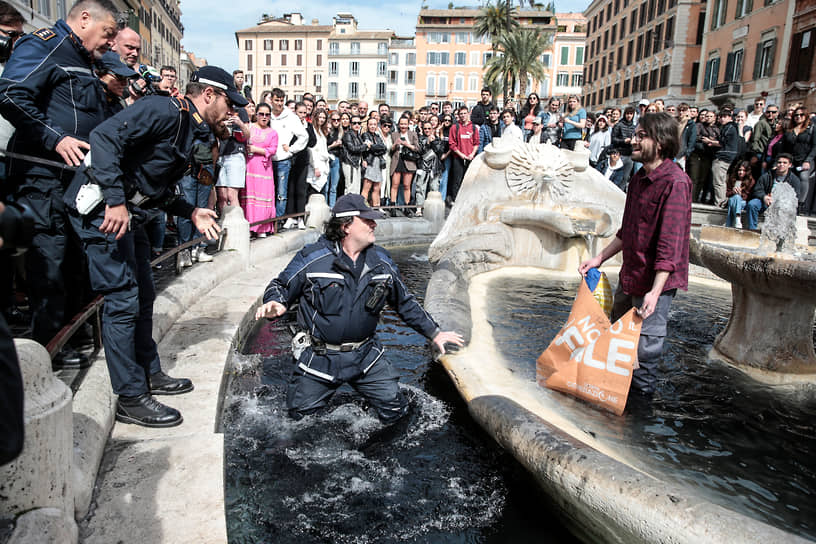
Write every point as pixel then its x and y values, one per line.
pixel 343 282
pixel 137 157
pixel 49 92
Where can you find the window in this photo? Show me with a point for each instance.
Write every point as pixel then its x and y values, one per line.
pixel 334 48
pixel 460 58
pixel 352 90
pixel 668 36
pixel 410 59
pixel 332 90
pixel 354 68
pixel 355 48
pixel 393 58
pixel 546 59
pixel 700 28
pixel 298 45
pixel 249 62
pixel 712 67
pixel 392 97
pixel 658 39
pixel 763 63
pixel 562 79
pixel 382 48
pixel 443 85
pixel 318 81
pixel 626 88
pixel 577 79
pixel 437 58
pixel 486 57
pixel 247 45
pixel 579 55
pixel 282 80
pixel 393 77
pixel 319 45
pixel 297 80
pixel 461 37
pixel 632 21
pixel 283 60
pixel 268 60
pixel 695 74
pixel 410 77
pixel 319 60
pixel 299 60
pixel 664 75
pixel 430 84
pixel 620 58
pixel 332 68
pixel 409 99
pixel 473 83
pixel 653 80
pixel 639 49
pixel 474 58
pixel 381 91
pixel 642 14
pixel 564 55
pixel 381 66
pixel 438 37
pixel 267 80
pixel 268 45
pixel 801 57
pixel 283 45
pixel 718 17
pixel 459 83
pixel 733 65
pixel 743 8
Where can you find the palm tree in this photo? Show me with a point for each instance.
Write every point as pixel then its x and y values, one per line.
pixel 492 21
pixel 520 57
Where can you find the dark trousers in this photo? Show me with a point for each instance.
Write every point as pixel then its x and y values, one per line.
pixel 652 334
pixel 296 198
pixel 53 261
pixel 305 394
pixel 458 169
pixel 11 397
pixel 120 270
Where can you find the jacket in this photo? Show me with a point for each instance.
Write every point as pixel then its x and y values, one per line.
pixel 765 183
pixel 332 306
pixel 377 148
pixel 353 148
pixel 431 151
pixel 688 137
pixel 761 135
pixel 146 148
pixel 486 134
pixel 620 132
pixel 49 91
pixel 729 142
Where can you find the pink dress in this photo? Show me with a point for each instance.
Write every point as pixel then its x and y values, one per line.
pixel 258 196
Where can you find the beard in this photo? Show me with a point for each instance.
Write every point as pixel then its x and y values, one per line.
pixel 220 130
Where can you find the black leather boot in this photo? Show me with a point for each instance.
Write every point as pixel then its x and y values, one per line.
pixel 146 411
pixel 70 359
pixel 162 384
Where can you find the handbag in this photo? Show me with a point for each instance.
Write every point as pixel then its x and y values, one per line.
pixel 407 154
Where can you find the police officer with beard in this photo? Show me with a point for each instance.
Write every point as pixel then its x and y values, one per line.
pixel 138 155
pixel 343 282
pixel 49 92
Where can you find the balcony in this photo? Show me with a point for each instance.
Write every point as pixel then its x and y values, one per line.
pixel 725 93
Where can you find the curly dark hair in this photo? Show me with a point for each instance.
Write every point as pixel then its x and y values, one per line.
pixel 334 228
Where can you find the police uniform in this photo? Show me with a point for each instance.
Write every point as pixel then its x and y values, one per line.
pixel 137 156
pixel 48 91
pixel 340 306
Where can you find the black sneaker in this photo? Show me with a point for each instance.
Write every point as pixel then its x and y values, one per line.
pixel 408 212
pixel 146 411
pixel 162 384
pixel 70 359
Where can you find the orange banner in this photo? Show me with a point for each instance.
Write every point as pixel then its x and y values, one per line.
pixel 591 358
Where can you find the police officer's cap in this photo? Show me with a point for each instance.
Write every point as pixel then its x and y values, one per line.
pixel 352 205
pixel 111 63
pixel 220 79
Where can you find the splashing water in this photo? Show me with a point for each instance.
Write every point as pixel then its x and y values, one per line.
pixel 779 228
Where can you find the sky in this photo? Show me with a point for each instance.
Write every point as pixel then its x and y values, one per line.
pixel 209 25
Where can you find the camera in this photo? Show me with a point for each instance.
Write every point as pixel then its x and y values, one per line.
pixel 6 44
pixel 149 76
pixel 16 227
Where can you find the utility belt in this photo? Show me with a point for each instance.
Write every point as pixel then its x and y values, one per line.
pixel 302 340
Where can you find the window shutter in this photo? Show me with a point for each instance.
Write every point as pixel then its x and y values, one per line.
pixel 757 59
pixel 750 6
pixel 771 57
pixel 729 67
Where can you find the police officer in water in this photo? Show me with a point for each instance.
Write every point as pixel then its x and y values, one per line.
pixel 343 282
pixel 136 158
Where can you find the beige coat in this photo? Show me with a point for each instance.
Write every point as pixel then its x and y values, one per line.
pixel 395 149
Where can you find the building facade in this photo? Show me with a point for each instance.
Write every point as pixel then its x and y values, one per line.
pixel 566 62
pixel 451 58
pixel 637 50
pixel 401 74
pixel 161 31
pixel 799 76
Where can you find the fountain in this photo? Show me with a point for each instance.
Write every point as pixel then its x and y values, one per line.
pixel 770 332
pixel 525 217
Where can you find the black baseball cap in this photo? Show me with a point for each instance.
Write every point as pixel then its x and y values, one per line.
pixel 220 79
pixel 352 205
pixel 112 64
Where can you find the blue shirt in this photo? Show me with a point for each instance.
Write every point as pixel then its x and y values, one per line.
pixel 571 132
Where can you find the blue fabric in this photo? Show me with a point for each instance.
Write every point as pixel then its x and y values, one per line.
pixel 198 195
pixel 735 207
pixel 593 276
pixel 754 206
pixel 281 173
pixel 572 132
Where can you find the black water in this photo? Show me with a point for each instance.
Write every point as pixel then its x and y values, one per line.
pixel 337 477
pixel 743 445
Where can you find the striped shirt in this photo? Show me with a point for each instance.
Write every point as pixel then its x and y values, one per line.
pixel 655 229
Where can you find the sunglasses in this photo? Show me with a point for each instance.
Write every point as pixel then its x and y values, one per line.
pixel 356 123
pixel 772 111
pixel 335 118
pixel 13 33
pixel 263 114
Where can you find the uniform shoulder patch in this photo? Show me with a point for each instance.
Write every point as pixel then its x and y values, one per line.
pixel 44 34
pixel 197 118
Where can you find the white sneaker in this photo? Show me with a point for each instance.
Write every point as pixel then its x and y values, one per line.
pixel 261 235
pixel 201 256
pixel 738 224
pixel 185 258
pixel 300 224
pixel 289 224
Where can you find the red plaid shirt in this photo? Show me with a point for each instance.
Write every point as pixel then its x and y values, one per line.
pixel 655 229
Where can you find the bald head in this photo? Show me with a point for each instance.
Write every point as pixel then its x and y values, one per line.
pixel 128 44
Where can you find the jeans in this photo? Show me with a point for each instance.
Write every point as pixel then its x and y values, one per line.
pixel 443 182
pixel 330 189
pixel 735 207
pixel 196 194
pixel 281 184
pixel 754 206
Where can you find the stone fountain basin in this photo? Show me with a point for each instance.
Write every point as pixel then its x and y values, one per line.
pixel 604 495
pixel 732 254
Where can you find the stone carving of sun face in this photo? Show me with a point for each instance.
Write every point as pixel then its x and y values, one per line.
pixel 539 172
